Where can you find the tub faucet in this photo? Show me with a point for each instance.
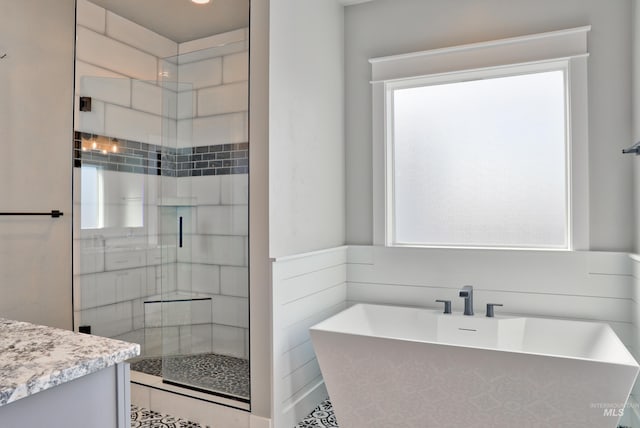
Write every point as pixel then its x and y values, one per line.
pixel 466 292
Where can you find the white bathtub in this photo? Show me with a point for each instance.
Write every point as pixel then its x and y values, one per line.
pixel 395 367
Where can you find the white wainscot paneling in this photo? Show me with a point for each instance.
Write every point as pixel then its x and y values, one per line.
pixel 306 289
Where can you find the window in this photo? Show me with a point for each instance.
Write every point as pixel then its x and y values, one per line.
pixel 480 157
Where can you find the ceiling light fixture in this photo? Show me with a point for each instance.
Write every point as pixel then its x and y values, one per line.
pixel 200 1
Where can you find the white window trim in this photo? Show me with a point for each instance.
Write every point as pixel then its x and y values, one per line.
pixel 569 46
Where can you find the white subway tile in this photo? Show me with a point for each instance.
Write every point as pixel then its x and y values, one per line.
pixel 114 90
pixel 107 53
pixel 133 125
pixel 130 284
pixel 149 98
pixel 232 311
pixel 195 339
pixel 215 220
pixel 140 37
pixel 84 69
pixel 221 250
pixel 234 281
pixel 109 321
pixel 205 279
pixel 234 189
pixel 206 189
pixel 186 108
pixel 228 341
pixel 138 313
pixel 98 289
pixel 230 98
pixel 161 341
pixel 201 312
pixel 124 259
pixel 89 121
pixel 201 74
pixel 90 15
pixel 222 129
pixel 185 133
pixel 235 67
pixel 184 277
pixel 214 52
pixel 216 40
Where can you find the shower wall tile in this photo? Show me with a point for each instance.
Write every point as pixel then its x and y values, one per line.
pixel 215 220
pixel 91 122
pixel 131 284
pixel 187 104
pixel 202 73
pixel 218 250
pixel 234 281
pixel 206 190
pixel 196 339
pixel 113 90
pixel 109 321
pixel 131 124
pixel 235 67
pixel 150 98
pixel 234 189
pixel 161 341
pixel 107 53
pixel 212 42
pixel 124 259
pixel 229 341
pixel 205 279
pixel 140 37
pixel 84 70
pixel 221 129
pixel 231 311
pixel 90 15
pixel 223 99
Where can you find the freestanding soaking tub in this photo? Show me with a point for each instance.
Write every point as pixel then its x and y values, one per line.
pixel 387 366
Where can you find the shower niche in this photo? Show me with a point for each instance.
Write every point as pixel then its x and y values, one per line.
pixel 161 200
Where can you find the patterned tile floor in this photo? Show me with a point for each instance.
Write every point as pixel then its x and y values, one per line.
pixel 144 418
pixel 321 417
pixel 214 372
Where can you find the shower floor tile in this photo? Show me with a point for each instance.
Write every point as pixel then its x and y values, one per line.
pixel 211 372
pixel 144 418
pixel 321 417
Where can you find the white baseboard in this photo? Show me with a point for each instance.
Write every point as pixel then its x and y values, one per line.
pixel 259 422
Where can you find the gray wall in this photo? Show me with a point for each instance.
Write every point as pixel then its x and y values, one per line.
pixel 387 27
pixel 306 126
pixel 36 107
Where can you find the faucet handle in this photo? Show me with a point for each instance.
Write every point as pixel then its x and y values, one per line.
pixel 490 306
pixel 447 306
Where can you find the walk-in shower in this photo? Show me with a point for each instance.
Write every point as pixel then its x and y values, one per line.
pixel 161 199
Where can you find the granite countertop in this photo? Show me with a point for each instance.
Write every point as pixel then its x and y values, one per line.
pixel 34 358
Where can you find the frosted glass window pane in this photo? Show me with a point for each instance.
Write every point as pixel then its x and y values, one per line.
pixel 90 205
pixel 481 163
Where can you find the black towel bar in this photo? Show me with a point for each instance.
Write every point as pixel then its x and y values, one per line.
pixel 53 213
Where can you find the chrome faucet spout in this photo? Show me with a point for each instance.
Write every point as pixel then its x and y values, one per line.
pixel 466 293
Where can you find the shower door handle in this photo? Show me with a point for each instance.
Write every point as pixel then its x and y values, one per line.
pixel 180 233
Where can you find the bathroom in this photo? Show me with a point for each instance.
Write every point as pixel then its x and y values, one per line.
pixel 312 246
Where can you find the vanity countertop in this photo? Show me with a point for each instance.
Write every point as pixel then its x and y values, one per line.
pixel 34 358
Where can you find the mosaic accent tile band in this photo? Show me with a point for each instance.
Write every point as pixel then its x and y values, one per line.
pixel 116 154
